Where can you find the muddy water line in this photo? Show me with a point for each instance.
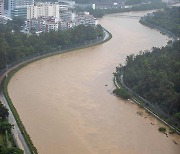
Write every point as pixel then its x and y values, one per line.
pixel 67 109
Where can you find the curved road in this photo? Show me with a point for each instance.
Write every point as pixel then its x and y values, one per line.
pixel 18 137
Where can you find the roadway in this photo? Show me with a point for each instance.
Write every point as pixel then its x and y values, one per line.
pixel 18 137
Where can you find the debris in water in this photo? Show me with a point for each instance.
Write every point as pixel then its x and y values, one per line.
pixel 139 113
pixel 166 134
pixel 174 142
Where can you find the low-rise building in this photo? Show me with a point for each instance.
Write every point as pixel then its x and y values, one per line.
pixel 4 19
pixel 63 25
pixel 85 19
pixel 44 17
pixel 43 24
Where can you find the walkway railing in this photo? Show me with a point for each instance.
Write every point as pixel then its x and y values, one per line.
pixel 50 52
pixel 155 109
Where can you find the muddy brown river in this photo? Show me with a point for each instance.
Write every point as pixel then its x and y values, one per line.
pixel 67 109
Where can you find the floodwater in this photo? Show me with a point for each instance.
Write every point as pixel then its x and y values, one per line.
pixel 67 109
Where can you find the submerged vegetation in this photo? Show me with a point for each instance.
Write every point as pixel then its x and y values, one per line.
pixel 122 92
pixel 162 129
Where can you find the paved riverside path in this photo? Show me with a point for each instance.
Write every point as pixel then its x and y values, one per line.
pixel 17 135
pixel 19 139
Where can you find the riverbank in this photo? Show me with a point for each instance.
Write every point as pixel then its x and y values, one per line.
pixel 84 116
pixel 7 74
pixel 165 21
pixel 142 103
pixel 99 13
pixel 154 110
pixel 162 30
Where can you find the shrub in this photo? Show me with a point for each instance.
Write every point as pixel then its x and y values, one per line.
pixel 123 93
pixel 162 129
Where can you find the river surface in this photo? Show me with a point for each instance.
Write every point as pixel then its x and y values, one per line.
pixel 67 109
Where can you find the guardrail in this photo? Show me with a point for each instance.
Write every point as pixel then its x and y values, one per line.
pixel 51 52
pixel 153 109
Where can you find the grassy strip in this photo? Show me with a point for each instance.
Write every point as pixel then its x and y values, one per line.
pixel 14 111
pixel 6 80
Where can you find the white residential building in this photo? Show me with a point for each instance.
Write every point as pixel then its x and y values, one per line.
pixel 1 7
pixel 51 26
pixel 63 25
pixel 43 9
pixel 85 19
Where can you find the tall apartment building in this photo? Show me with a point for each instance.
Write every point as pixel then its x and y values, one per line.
pixel 43 9
pixel 1 7
pixel 18 7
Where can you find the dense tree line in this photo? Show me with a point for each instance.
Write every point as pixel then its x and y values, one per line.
pixel 156 77
pixel 6 141
pixel 15 45
pixel 168 19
